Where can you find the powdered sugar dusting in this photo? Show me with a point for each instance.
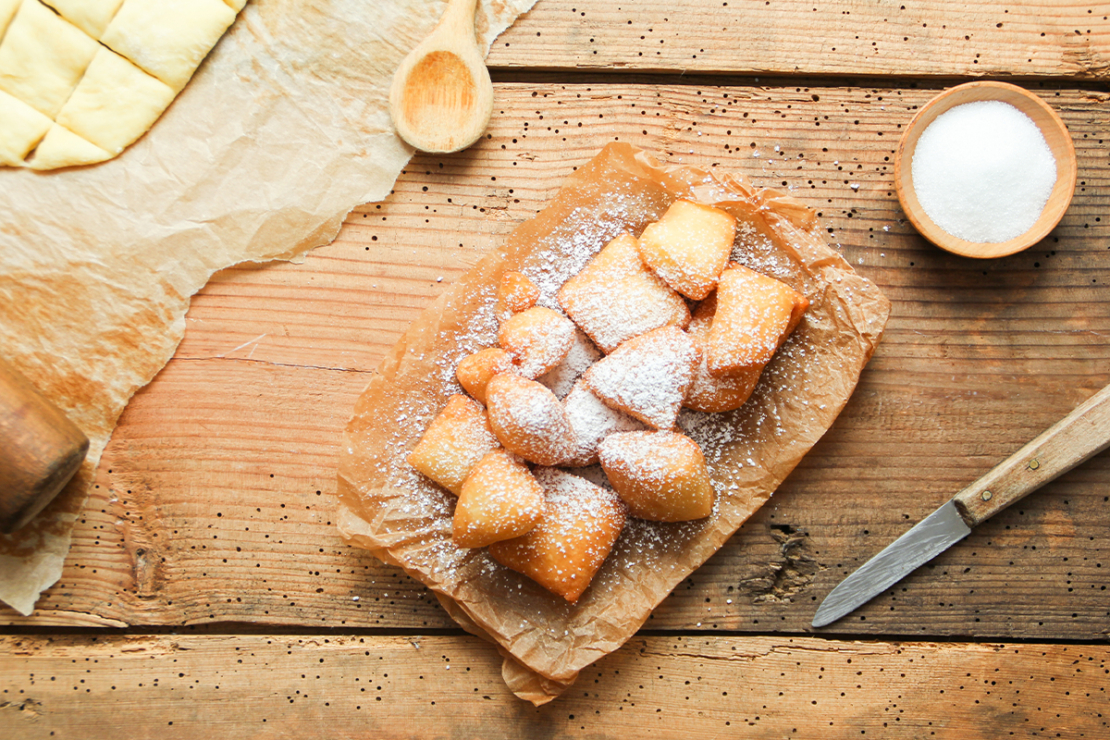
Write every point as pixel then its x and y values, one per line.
pixel 562 377
pixel 647 376
pixel 592 421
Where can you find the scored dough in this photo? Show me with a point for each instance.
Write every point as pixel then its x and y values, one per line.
pixel 115 103
pixel 168 38
pixel 42 57
pixel 7 10
pixel 21 127
pixel 63 148
pixel 91 16
pixel 67 100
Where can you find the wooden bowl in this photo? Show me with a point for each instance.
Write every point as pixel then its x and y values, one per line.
pixel 1055 135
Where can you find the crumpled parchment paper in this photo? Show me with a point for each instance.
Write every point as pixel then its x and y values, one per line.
pixel 404 519
pixel 283 130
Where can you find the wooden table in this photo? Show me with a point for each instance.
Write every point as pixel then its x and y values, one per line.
pixel 208 592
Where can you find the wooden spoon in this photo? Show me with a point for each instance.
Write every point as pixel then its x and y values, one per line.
pixel 442 96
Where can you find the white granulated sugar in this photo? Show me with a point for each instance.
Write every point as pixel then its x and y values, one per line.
pixel 983 171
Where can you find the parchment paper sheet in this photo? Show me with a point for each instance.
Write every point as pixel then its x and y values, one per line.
pixel 402 518
pixel 283 130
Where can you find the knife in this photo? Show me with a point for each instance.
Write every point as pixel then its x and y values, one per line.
pixel 1078 436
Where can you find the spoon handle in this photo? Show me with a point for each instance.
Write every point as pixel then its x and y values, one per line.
pixel 458 20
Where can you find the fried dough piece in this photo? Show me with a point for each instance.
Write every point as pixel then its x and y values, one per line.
pixel 454 443
pixel 537 338
pixel 711 393
pixel 616 297
pixel 660 476
pixel 755 314
pixel 647 376
pixel 689 247
pixel 528 420
pixel 580 524
pixel 475 370
pixel 515 293
pixel 499 500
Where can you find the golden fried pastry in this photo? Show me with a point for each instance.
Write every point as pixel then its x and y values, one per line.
pixel 689 247
pixel 454 443
pixel 515 293
pixel 528 420
pixel 580 523
pixel 708 392
pixel 592 420
pixel 616 297
pixel 561 378
pixel 647 376
pixel 755 314
pixel 661 476
pixel 537 338
pixel 500 499
pixel 475 370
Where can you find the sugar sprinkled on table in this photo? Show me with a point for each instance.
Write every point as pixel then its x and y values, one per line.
pixel 983 172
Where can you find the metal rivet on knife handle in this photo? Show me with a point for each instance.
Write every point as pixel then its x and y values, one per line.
pixel 1076 437
pixel 986 495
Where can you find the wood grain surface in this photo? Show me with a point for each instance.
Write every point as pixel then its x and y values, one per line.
pixel 660 687
pixel 213 512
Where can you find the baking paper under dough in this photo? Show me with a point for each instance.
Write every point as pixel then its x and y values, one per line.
pixel 284 129
pixel 404 519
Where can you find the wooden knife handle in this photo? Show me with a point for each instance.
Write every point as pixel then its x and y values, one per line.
pixel 40 450
pixel 1078 436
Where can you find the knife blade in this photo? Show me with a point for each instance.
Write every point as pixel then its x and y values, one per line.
pixel 1077 437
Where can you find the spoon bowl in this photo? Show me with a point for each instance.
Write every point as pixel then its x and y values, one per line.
pixel 442 97
pixel 1055 135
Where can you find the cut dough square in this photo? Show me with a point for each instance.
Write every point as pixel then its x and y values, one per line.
pixel 168 38
pixel 21 127
pixel 7 11
pixel 42 57
pixel 91 16
pixel 115 102
pixel 63 148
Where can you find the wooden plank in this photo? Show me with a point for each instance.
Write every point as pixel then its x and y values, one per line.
pixel 942 38
pixel 187 525
pixel 191 686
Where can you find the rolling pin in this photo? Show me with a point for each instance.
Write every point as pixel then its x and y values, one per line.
pixel 40 450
